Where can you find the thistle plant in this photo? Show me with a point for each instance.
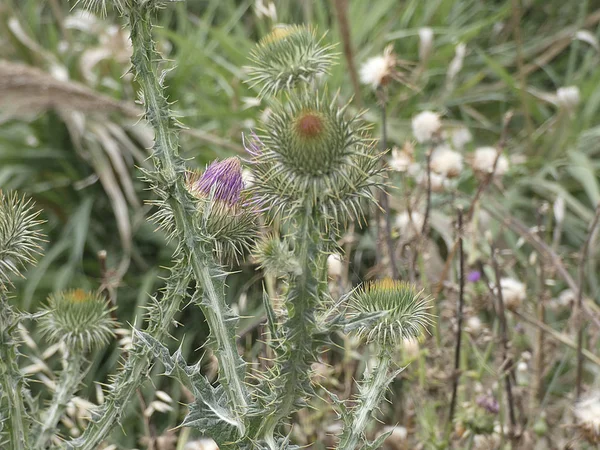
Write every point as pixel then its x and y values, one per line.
pixel 315 168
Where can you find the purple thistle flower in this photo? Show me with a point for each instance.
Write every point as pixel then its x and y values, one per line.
pixel 223 179
pixel 474 276
pixel 489 403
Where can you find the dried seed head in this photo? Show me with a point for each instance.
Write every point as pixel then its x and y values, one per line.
pixel 426 126
pixel 406 311
pixel 78 318
pixel 290 54
pixel 587 413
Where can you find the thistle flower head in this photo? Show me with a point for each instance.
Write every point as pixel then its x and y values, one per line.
pixel 79 319
pixel 222 180
pixel 446 162
pixel 226 217
pixel 290 54
pixel 311 156
pixel 405 307
pixel 19 236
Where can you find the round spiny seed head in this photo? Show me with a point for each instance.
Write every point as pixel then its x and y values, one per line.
pixel 312 157
pixel 406 311
pixel 20 236
pixel 79 319
pixel 225 215
pixel 288 55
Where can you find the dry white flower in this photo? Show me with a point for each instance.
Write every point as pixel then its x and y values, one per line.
pixel 411 348
pixel 378 70
pixel 439 183
pixel 446 161
pixel 398 436
pixel 457 62
pixel 401 160
pixel 409 225
pixel 566 298
pixel 460 137
pixel 484 158
pixel 426 125
pixel 201 444
pixel 568 97
pixel 334 265
pixel 473 325
pixel 269 10
pixel 513 293
pixel 559 208
pixel 587 413
pixel 425 43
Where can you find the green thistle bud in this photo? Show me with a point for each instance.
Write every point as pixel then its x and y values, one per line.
pixel 79 319
pixel 406 309
pixel 19 236
pixel 290 54
pixel 275 257
pixel 226 217
pixel 311 156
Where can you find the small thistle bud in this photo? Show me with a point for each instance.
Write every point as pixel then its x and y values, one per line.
pixel 226 217
pixel 426 126
pixel 446 162
pixel 406 311
pixel 79 319
pixel 275 257
pixel 587 413
pixel 290 54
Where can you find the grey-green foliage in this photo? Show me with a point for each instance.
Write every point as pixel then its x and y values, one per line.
pixel 318 169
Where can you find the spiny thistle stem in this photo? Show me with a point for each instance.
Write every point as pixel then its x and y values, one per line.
pixel 170 172
pixel 132 375
pixel 11 379
pixel 72 374
pixel 371 395
pixel 299 328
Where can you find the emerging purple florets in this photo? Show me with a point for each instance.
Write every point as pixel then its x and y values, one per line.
pixel 474 276
pixel 221 178
pixel 489 403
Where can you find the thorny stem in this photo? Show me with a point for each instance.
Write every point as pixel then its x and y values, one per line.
pixel 11 380
pixel 506 362
pixel 370 397
pixel 579 308
pixel 72 374
pixel 459 315
pixel 170 168
pixel 132 375
pixel 291 382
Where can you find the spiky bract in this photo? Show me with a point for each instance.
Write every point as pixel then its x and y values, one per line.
pixel 79 319
pixel 406 309
pixel 312 157
pixel 226 217
pixel 288 55
pixel 20 237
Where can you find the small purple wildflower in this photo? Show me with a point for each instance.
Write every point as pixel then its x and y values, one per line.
pixel 489 403
pixel 223 179
pixel 474 276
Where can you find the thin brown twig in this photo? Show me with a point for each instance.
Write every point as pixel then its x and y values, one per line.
pixel 341 7
pixel 541 315
pixel 459 315
pixel 506 360
pixel 579 308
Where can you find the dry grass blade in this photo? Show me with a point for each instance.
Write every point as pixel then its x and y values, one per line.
pixel 25 90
